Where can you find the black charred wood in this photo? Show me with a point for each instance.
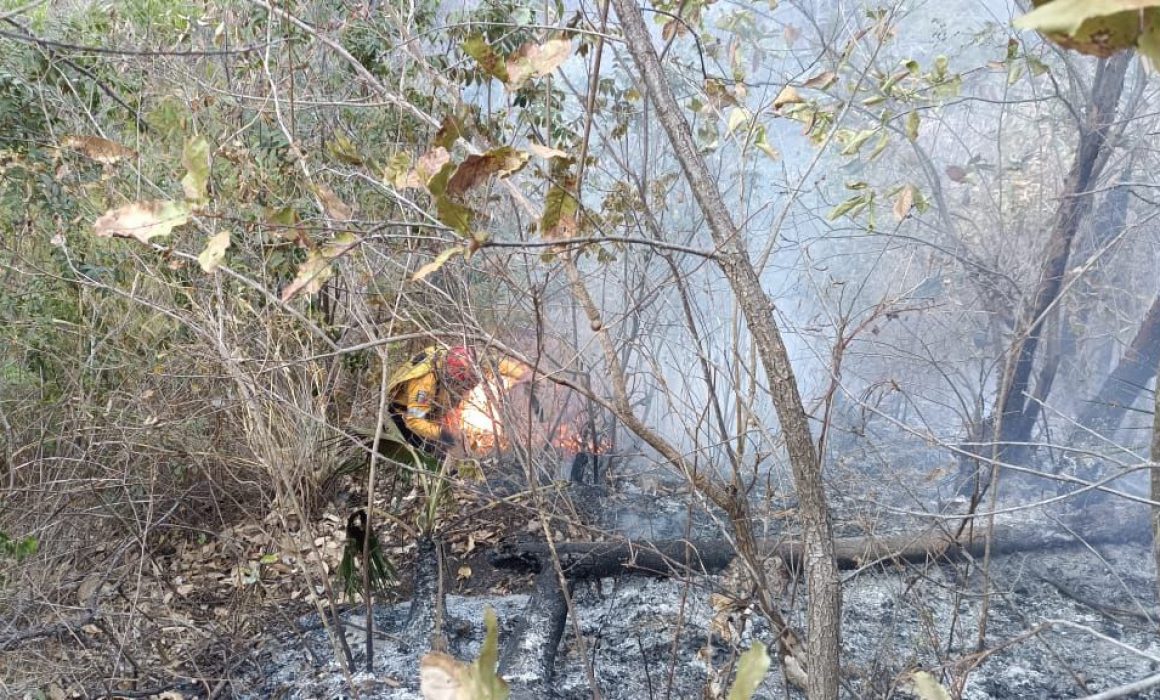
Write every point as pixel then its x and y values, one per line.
pixel 528 658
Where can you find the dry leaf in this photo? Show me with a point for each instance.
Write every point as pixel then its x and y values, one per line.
pixel 545 152
pixel 142 220
pixel 443 677
pixel 536 60
pixel 437 263
pixel 821 81
pixel 101 150
pixel 956 173
pixel 335 207
pixel 428 165
pixel 792 34
pixel 502 161
pixel 788 95
pixel 904 202
pixel 215 251
pixel 464 573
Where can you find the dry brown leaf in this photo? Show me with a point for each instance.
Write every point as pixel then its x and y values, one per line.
pixel 141 220
pixel 904 202
pixel 428 165
pixel 536 60
pixel 335 207
pixel 956 173
pixel 437 263
pixel 101 150
pixel 822 80
pixel 215 251
pixel 788 95
pixel 443 677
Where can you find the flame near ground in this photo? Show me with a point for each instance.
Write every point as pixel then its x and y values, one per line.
pixel 497 411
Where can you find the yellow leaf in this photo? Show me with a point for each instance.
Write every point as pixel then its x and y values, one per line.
pixel 751 670
pixel 215 251
pixel 142 220
pixel 788 95
pixel 737 117
pixel 464 573
pixel 912 124
pixel 1068 16
pixel 312 274
pixel 927 688
pixel 101 150
pixel 196 159
pixel 433 266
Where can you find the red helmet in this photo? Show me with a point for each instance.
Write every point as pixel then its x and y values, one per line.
pixel 458 363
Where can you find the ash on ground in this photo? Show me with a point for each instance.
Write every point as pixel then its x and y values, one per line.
pixel 649 638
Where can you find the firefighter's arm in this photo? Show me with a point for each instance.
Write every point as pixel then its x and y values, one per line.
pixel 420 395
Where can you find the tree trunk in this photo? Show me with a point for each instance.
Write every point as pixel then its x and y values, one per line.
pixel 1106 88
pixel 1155 489
pixel 1122 387
pixel 823 612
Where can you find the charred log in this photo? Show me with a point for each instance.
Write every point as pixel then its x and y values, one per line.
pixel 529 655
pixel 583 560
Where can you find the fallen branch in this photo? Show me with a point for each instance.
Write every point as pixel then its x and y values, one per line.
pixel 585 560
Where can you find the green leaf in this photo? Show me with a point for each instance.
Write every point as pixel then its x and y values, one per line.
pixel 761 141
pixel 268 559
pixel 488 660
pixel 453 214
pixel 344 149
pixel 855 143
pixel 751 670
pixel 487 58
pixel 214 252
pixel 449 132
pixel 1149 41
pixel 195 157
pixel 850 205
pixel 1068 15
pixel 559 217
pixel 879 147
pixel 912 123
pixel 142 220
pixel 1014 72
pixel 439 261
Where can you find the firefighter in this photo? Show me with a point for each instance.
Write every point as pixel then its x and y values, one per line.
pixel 425 390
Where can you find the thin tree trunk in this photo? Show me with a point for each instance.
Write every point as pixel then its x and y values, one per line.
pixel 1155 489
pixel 823 612
pixel 1122 387
pixel 1106 89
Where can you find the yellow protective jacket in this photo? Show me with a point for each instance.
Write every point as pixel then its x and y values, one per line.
pixel 422 399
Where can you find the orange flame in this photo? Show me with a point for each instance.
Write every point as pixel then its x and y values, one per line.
pixel 481 421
